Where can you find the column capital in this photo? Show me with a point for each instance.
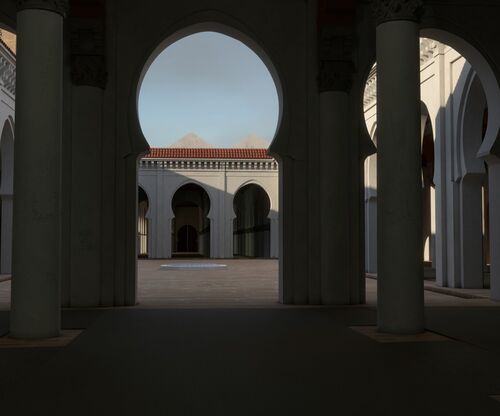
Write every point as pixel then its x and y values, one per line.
pixel 336 65
pixel 88 63
pixel 389 10
pixel 57 6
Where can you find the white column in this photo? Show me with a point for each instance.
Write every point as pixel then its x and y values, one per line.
pixel 432 242
pixel 164 216
pixel 86 179
pixel 88 76
pixel 371 213
pixel 334 196
pixel 371 232
pixel 274 235
pixel 228 217
pixel 6 255
pixel 471 234
pixel 214 235
pixel 440 179
pixel 36 299
pixel 229 239
pixel 399 216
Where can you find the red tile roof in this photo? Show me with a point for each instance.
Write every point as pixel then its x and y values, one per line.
pixel 189 153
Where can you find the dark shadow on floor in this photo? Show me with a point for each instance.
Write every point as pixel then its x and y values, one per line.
pixel 248 362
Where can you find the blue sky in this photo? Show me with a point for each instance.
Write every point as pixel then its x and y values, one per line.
pixel 209 84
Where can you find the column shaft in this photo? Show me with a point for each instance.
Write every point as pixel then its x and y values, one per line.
pixel 36 243
pixel 6 244
pixel 399 213
pixel 335 191
pixel 471 234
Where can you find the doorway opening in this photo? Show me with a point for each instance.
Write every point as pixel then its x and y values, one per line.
pixel 252 227
pixel 142 224
pixel 191 225
pixel 209 106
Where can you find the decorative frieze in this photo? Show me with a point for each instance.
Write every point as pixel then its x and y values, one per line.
pixel 88 64
pixel 428 49
pixel 389 10
pixel 58 6
pixel 7 71
pixel 370 95
pixel 205 164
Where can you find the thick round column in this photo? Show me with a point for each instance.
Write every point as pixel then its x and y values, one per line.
pixel 334 196
pixel 399 213
pixel 471 232
pixel 36 297
pixel 274 235
pixel 6 237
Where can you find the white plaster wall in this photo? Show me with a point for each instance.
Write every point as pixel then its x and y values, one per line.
pixel 443 78
pixel 7 116
pixel 160 184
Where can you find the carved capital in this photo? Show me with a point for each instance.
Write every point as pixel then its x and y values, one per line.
pixel 336 56
pixel 88 64
pixel 57 6
pixel 389 10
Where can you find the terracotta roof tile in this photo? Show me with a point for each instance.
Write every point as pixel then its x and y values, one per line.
pixel 188 153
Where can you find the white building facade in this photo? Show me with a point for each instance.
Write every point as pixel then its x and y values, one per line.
pixel 7 103
pixel 456 245
pixel 216 203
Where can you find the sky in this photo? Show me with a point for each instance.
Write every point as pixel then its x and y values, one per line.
pixel 209 84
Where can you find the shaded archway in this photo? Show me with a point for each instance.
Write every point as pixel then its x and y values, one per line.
pixel 251 230
pixel 428 194
pixel 191 225
pixel 142 224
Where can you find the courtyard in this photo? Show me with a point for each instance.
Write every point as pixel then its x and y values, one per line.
pixel 245 283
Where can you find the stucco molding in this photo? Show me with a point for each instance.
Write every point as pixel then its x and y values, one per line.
pixel 7 72
pixel 58 6
pixel 390 10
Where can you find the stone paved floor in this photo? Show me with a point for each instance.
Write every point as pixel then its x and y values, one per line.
pixel 244 283
pixel 185 350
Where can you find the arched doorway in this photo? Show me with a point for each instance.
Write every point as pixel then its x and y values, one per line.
pixel 454 130
pixel 251 230
pixel 187 239
pixel 428 195
pixel 189 228
pixel 191 225
pixel 462 213
pixel 142 224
